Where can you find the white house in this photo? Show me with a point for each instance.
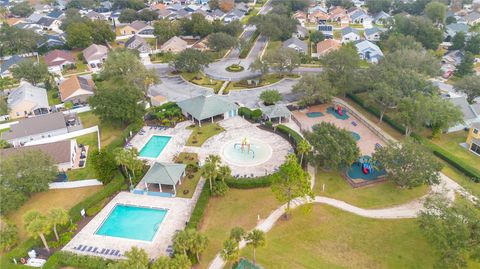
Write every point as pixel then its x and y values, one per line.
pixel 350 34
pixel 369 51
pixel 95 55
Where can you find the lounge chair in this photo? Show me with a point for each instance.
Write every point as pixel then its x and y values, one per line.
pixel 94 250
pixel 354 123
pixel 116 253
pixel 78 247
pixel 103 251
pixel 83 248
pixel 106 252
pixel 111 252
pixel 89 249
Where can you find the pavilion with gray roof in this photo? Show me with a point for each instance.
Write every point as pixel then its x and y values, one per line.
pixel 277 111
pixel 167 175
pixel 209 106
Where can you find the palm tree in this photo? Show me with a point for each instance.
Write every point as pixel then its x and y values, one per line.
pixel 133 163
pixel 303 147
pixel 37 225
pixel 224 172
pixel 209 171
pixel 181 242
pixel 255 238
pixel 121 158
pixel 57 216
pixel 199 243
pixel 237 234
pixel 215 159
pixel 230 251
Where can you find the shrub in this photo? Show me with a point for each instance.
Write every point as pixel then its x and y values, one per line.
pixel 199 209
pixel 256 114
pixel 245 112
pixel 8 235
pixel 249 183
pixel 219 188
pixel 244 53
pixel 291 133
pixel 93 210
pixel 269 124
pixel 61 259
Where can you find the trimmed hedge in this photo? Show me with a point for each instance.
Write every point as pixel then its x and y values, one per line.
pixel 463 167
pixel 200 207
pixel 61 259
pixel 249 183
pixel 249 114
pixel 291 133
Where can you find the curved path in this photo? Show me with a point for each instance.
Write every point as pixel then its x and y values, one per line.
pixel 447 187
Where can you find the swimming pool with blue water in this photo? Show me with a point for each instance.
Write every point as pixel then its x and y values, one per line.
pixel 132 222
pixel 154 146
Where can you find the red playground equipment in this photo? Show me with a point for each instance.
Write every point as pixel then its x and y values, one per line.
pixel 340 111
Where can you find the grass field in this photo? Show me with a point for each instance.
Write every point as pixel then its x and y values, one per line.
pixel 450 142
pixel 237 208
pixel 108 132
pixel 188 184
pixel 273 46
pixel 202 80
pixel 201 134
pixel 384 194
pixel 44 201
pixel 326 237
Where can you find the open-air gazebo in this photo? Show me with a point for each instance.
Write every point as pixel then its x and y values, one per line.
pixel 277 111
pixel 164 175
pixel 208 106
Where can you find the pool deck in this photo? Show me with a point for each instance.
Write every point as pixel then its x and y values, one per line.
pixel 179 212
pixel 367 138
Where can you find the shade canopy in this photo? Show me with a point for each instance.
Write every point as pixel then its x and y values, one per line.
pixel 276 111
pixel 165 173
pixel 206 106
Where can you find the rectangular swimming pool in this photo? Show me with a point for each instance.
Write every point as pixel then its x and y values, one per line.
pixel 154 146
pixel 132 222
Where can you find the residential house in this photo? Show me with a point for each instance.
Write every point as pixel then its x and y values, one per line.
pixel 381 17
pixel 137 27
pixel 472 18
pixel 63 153
pixel 326 46
pixel 158 6
pixel 40 127
pixel 51 41
pixel 302 32
pixel 76 89
pixel 234 15
pixel 450 61
pixel 56 14
pixel 350 34
pixel 201 45
pixel 471 112
pixel 30 26
pixel 373 34
pixel 327 30
pixel 369 51
pixel 138 43
pixel 174 44
pixel 359 16
pixel 318 17
pixel 340 15
pixel 9 63
pixel 95 55
pixel 454 28
pixel 296 44
pixel 95 16
pixel 317 8
pixel 473 138
pixel 165 14
pixel 300 16
pixel 14 21
pixel 243 7
pixel 34 17
pixel 218 14
pixel 207 15
pixel 50 24
pixel 181 14
pixel 57 60
pixel 27 100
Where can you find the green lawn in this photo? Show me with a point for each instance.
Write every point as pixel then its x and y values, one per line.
pixel 201 134
pixel 80 67
pixel 87 172
pixel 202 80
pixel 188 184
pixel 238 208
pixel 108 132
pixel 384 194
pixel 266 80
pixel 162 57
pixel 450 142
pixel 273 46
pixel 44 201
pixel 52 99
pixel 326 237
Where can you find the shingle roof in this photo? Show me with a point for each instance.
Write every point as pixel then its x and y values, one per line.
pixel 367 45
pixel 347 30
pixel 276 111
pixel 465 107
pixel 95 52
pixel 15 59
pixel 58 57
pixel 164 173
pixel 372 31
pixel 30 93
pixel 73 84
pixel 327 45
pixel 138 25
pixel 36 125
pixel 60 151
pixel 457 27
pixel 45 21
pixel 295 42
pixel 204 107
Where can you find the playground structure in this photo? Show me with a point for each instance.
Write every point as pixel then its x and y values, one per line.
pixel 339 110
pixel 364 172
pixel 245 147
